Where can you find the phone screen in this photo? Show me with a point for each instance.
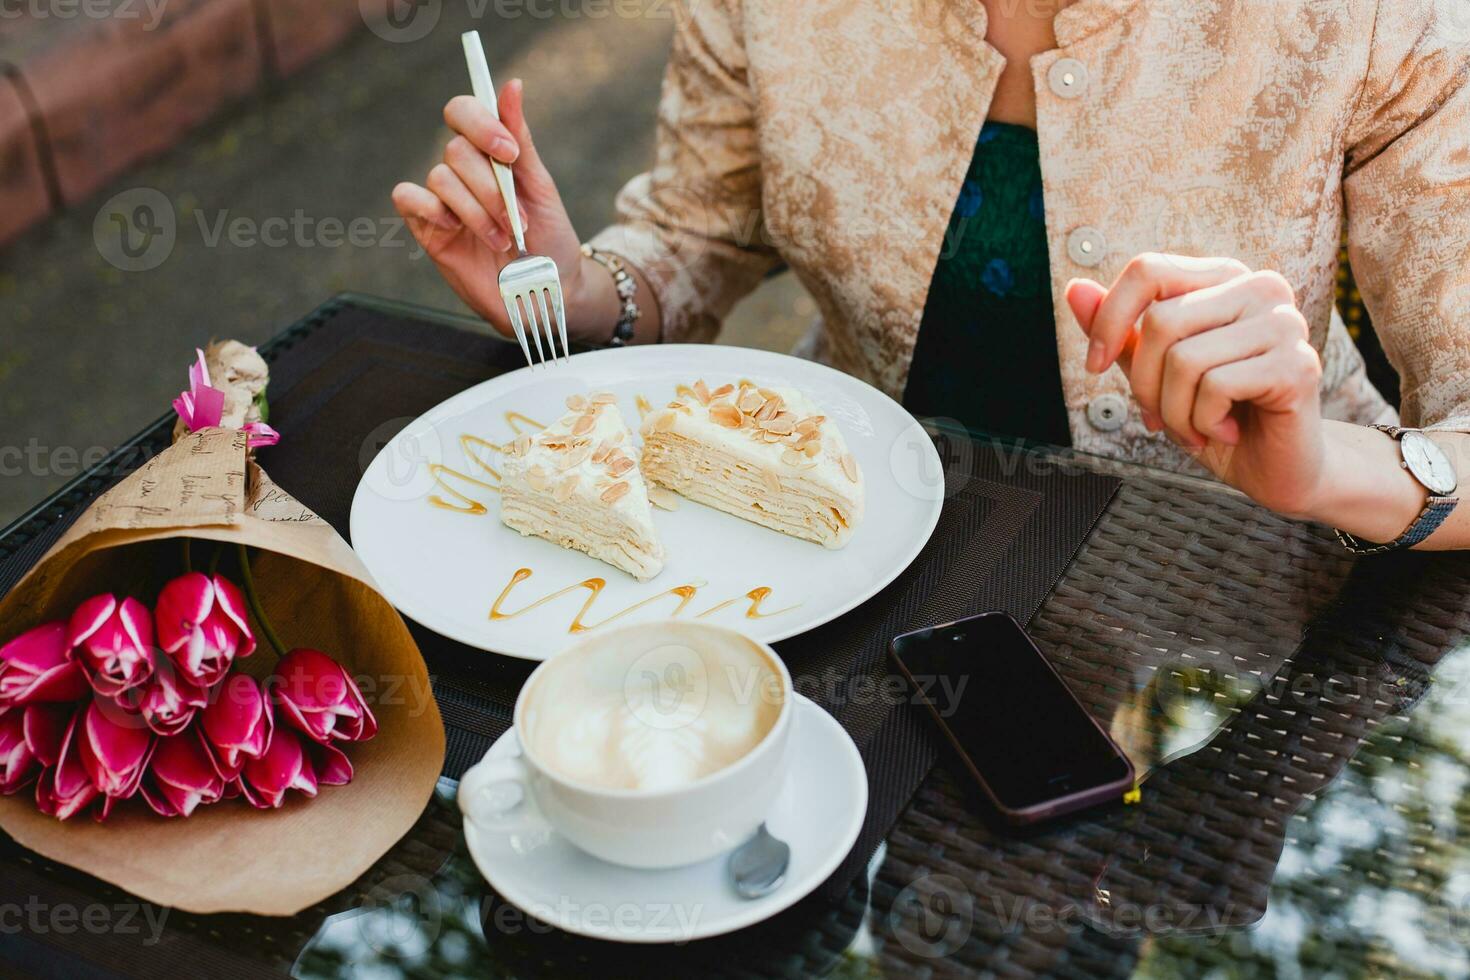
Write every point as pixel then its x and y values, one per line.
pixel 1020 726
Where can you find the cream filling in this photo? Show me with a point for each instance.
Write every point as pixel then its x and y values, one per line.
pixel 802 508
pixel 581 525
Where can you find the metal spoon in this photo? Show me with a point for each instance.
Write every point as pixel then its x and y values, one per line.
pixel 758 867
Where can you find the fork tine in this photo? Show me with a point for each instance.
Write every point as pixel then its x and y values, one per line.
pixel 513 308
pixel 546 322
pixel 532 328
pixel 561 318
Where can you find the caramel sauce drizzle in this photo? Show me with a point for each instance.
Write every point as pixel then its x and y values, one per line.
pixel 756 596
pixel 594 587
pixel 472 446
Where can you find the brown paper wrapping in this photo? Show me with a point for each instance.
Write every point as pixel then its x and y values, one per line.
pixel 230 856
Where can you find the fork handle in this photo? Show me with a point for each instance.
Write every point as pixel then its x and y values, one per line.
pixel 484 89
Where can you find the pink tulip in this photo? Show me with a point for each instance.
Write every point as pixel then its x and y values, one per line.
pixel 330 764
pixel 202 626
pixel 321 699
pixel 114 747
pixel 237 723
pixel 285 766
pixel 168 702
pixel 181 776
pixel 115 643
pixel 65 789
pixel 36 666
pixel 30 740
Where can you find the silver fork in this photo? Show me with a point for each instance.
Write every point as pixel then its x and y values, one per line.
pixel 528 277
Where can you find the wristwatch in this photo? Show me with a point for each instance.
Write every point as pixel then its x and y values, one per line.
pixel 1428 464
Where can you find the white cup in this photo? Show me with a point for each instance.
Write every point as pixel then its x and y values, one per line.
pixel 647 827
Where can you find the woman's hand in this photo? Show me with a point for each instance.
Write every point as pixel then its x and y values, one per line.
pixel 460 219
pixel 1219 358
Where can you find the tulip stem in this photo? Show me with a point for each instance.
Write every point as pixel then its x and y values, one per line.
pixel 188 559
pixel 252 597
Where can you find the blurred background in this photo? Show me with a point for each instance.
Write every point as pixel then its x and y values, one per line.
pixel 173 171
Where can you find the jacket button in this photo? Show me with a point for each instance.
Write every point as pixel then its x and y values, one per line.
pixel 1068 78
pixel 1087 247
pixel 1107 412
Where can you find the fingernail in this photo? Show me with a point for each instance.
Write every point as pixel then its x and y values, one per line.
pixel 1096 352
pixel 504 150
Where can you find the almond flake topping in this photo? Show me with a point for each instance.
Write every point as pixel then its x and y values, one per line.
pixel 564 488
pixel 615 492
pixel 578 456
pixel 850 467
pixel 537 479
pixel 726 415
pixel 773 483
pixel 617 438
pixel 721 391
pixel 621 466
pixel 750 402
pixel 601 452
pixel 779 426
pixel 604 398
pixel 523 444
pixel 813 449
pixel 701 391
pixel 583 425
pixel 664 422
pixel 791 457
pixel 768 410
pixel 576 403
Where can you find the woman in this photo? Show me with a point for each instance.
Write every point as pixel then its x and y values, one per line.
pixel 1153 276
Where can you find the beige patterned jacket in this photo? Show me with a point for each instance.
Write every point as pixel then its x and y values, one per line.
pixel 834 135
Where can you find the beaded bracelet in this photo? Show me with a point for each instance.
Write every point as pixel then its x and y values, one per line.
pixel 627 288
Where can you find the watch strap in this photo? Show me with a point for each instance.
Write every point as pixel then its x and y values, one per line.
pixel 1428 521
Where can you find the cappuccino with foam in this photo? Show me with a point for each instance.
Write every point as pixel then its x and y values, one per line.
pixel 635 715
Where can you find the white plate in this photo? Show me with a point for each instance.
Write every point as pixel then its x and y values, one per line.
pixel 819 812
pixel 446 569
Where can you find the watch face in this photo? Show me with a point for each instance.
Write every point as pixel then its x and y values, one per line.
pixel 1428 463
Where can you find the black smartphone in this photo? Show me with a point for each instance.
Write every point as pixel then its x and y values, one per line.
pixel 1024 737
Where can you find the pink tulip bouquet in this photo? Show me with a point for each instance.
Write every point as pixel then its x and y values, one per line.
pixel 122 702
pixel 168 698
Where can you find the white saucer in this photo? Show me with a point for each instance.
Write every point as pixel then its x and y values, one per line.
pixel 819 813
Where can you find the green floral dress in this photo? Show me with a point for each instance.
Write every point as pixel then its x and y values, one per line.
pixel 987 349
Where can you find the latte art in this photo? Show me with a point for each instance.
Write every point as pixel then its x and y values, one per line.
pixel 633 717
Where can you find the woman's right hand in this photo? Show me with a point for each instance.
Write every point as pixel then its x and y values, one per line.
pixel 460 220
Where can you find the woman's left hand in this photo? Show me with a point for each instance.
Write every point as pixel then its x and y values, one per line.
pixel 1219 359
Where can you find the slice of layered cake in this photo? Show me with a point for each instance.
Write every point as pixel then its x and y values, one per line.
pixel 765 454
pixel 576 483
